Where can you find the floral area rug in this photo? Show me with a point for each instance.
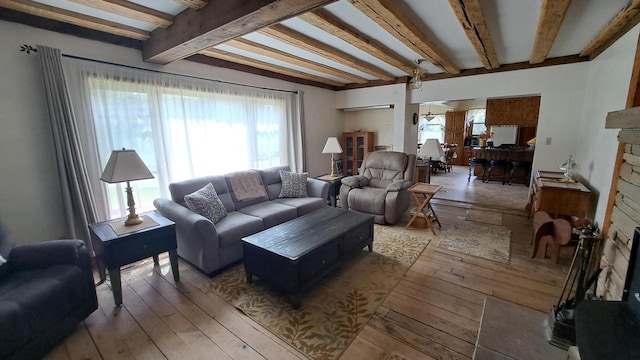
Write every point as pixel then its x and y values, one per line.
pixel 486 217
pixel 334 311
pixel 482 240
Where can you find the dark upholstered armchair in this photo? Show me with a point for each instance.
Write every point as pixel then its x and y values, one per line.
pixel 46 289
pixel 381 187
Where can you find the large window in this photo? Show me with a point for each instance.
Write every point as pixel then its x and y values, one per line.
pixel 476 119
pixel 183 128
pixel 431 129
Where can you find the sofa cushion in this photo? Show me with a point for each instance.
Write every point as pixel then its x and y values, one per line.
pixel 271 212
pixel 303 205
pixel 294 185
pixel 206 203
pixel 271 180
pixel 235 226
pixel 368 199
pixel 179 189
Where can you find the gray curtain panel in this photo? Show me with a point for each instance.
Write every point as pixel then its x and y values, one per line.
pixel 298 160
pixel 79 205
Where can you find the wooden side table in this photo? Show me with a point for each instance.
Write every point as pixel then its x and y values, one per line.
pixel 426 191
pixel 114 250
pixel 334 187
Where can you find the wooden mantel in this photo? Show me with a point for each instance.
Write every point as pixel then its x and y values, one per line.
pixel 627 120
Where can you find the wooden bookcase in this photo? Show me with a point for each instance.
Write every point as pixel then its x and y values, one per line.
pixel 355 145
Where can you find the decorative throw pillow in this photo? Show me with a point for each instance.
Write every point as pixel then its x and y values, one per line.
pixel 206 203
pixel 294 185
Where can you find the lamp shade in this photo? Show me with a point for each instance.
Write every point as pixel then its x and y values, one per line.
pixel 332 146
pixel 125 165
pixel 431 149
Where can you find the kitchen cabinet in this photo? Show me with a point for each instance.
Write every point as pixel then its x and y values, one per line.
pixel 454 133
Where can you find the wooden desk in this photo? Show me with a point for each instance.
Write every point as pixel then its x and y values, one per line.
pixel 559 198
pixel 426 191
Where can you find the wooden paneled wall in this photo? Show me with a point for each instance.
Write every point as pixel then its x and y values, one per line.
pixel 521 111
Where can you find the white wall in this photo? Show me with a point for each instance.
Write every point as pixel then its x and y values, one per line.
pixel 607 89
pixel 30 204
pixel 403 129
pixel 379 121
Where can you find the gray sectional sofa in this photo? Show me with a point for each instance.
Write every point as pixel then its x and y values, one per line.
pixel 209 246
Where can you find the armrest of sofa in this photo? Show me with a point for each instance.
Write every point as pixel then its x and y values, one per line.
pixel 189 224
pixel 317 188
pixel 399 185
pixel 46 254
pixel 355 181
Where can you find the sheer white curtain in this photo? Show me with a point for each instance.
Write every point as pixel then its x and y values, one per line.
pixel 180 126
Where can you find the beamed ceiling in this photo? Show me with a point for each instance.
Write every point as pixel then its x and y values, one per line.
pixel 347 43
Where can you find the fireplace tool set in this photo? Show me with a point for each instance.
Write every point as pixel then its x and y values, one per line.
pixel 560 325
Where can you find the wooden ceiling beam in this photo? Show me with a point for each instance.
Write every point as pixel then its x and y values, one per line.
pixel 211 61
pixel 70 17
pixel 193 4
pixel 294 38
pixel 263 50
pixel 327 22
pixel 551 18
pixel 470 15
pixel 624 21
pixel 221 20
pixel 228 56
pixel 130 10
pixel 390 18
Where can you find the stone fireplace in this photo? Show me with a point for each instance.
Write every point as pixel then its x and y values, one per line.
pixel 625 216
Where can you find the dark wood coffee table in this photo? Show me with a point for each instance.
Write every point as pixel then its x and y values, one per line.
pixel 293 256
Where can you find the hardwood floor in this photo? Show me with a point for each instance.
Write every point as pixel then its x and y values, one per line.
pixel 433 313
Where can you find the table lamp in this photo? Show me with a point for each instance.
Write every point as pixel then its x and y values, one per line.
pixel 567 166
pixel 332 146
pixel 126 165
pixel 430 149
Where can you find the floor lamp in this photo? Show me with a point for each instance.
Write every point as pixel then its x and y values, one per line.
pixel 430 149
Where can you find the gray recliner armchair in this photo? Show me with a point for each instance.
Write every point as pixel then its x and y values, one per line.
pixel 46 289
pixel 381 187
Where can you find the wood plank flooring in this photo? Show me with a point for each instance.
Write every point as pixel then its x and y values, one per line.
pixel 433 313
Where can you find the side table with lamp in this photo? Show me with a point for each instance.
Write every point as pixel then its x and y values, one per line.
pixel 334 178
pixel 126 240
